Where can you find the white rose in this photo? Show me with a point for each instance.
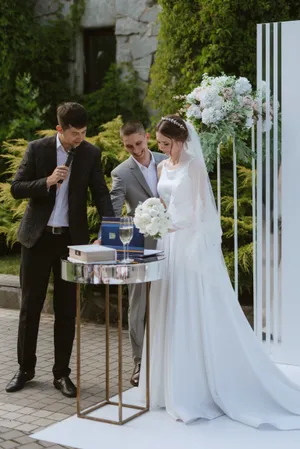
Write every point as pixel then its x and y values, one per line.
pixel 136 221
pixel 146 217
pixel 154 212
pixel 151 202
pixel 149 229
pixel 155 221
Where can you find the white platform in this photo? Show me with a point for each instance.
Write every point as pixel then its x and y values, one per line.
pixel 156 430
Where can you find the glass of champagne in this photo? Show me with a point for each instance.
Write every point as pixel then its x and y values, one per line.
pixel 126 234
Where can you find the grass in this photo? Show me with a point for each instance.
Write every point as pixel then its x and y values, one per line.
pixel 10 264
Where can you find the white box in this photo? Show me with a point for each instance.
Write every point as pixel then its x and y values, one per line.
pixel 92 254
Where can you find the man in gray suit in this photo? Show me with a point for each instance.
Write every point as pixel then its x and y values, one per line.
pixel 134 181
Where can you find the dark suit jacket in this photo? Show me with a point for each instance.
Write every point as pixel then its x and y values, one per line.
pixel 38 163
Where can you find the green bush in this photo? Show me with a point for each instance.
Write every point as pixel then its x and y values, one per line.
pixel 198 36
pixel 245 243
pixel 120 95
pixel 31 45
pixel 27 116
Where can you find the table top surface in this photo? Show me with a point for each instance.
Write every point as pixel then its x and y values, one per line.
pixel 145 270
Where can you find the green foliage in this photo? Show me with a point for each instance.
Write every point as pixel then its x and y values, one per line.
pixel 208 36
pixel 120 95
pixel 110 144
pixel 10 264
pixel 11 210
pixel 223 136
pixel 245 253
pixel 27 116
pixel 30 45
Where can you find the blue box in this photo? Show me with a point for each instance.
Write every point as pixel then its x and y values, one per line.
pixel 110 237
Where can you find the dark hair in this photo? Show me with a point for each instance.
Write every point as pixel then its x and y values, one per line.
pixel 71 115
pixel 173 127
pixel 132 127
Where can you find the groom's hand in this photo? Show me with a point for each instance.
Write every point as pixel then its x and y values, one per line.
pixel 97 242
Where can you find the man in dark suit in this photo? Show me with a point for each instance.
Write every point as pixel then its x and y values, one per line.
pixel 55 217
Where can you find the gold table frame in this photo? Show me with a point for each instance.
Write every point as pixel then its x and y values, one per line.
pixel 111 275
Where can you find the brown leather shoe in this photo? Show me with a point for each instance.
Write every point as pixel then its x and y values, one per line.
pixel 136 375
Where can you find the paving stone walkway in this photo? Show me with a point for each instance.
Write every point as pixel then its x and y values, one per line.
pixel 39 404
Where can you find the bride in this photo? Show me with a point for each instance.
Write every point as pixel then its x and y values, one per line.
pixel 205 358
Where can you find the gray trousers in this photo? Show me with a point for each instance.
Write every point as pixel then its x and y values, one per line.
pixel 136 312
pixel 136 318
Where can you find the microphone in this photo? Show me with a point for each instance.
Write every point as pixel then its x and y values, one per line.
pixel 71 154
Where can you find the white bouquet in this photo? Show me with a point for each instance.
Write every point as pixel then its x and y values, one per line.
pixel 219 99
pixel 151 218
pixel 224 108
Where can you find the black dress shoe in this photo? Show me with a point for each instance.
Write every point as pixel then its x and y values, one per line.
pixel 136 375
pixel 19 380
pixel 66 386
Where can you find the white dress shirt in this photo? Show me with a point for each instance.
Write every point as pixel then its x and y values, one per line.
pixel 60 212
pixel 149 173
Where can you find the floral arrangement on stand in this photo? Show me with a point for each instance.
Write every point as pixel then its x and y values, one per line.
pixel 224 109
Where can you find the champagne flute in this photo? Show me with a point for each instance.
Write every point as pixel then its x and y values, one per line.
pixel 126 234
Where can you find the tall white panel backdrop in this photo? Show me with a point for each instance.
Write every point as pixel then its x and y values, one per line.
pixel 277 261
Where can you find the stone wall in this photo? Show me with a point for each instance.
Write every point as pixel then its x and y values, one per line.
pixel 136 30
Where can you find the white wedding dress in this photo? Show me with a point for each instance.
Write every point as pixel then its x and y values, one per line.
pixel 205 360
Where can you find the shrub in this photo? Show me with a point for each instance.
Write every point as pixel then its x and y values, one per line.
pixel 27 116
pixel 120 95
pixel 31 45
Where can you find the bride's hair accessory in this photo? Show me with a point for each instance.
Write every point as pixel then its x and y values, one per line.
pixel 172 120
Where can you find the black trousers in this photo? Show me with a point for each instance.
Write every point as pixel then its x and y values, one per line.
pixel 36 265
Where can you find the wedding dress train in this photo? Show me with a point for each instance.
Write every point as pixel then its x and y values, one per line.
pixel 205 360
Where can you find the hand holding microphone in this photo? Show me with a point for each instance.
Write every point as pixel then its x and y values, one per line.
pixel 69 160
pixel 61 171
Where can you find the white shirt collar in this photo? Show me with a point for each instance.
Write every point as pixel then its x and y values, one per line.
pixel 59 145
pixel 142 167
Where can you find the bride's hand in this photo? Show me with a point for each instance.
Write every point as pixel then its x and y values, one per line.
pixel 163 203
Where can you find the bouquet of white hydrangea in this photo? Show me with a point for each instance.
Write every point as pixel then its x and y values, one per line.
pixel 224 108
pixel 151 218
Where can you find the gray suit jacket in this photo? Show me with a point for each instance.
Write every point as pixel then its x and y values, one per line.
pixel 129 185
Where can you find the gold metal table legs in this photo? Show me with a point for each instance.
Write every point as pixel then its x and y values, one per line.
pixel 108 401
